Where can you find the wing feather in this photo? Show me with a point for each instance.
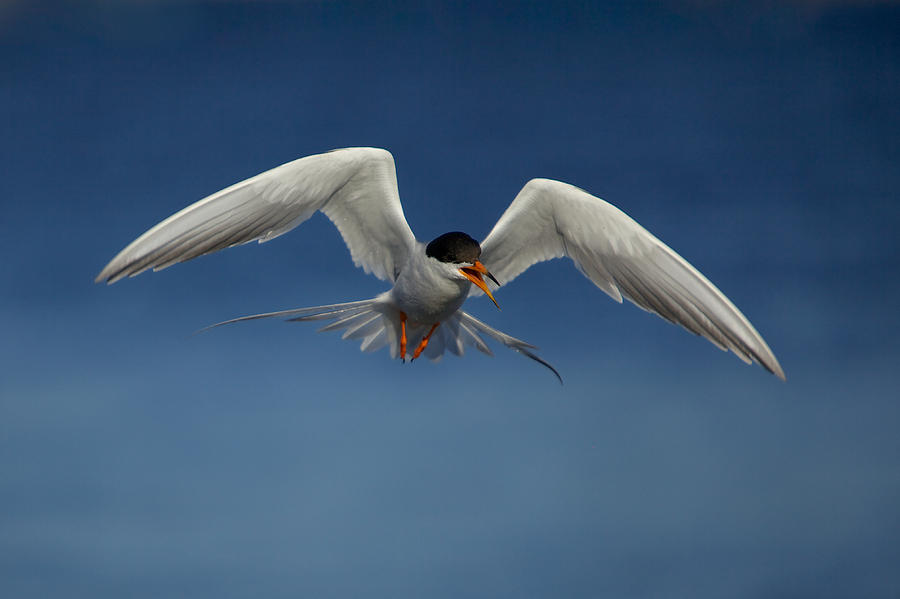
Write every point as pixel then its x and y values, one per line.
pixel 356 188
pixel 550 219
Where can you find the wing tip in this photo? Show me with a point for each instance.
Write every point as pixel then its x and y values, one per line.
pixel 111 273
pixel 768 361
pixel 106 276
pixel 775 368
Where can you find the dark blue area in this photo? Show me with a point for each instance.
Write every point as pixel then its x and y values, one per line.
pixel 759 140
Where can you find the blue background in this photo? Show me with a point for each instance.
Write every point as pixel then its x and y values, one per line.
pixel 761 141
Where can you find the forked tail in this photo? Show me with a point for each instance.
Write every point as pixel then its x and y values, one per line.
pixel 377 324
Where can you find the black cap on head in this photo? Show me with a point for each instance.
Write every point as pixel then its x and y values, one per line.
pixel 455 247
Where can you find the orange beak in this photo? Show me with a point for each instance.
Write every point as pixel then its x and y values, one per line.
pixel 474 272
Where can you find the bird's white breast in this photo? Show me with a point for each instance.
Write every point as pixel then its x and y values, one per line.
pixel 425 292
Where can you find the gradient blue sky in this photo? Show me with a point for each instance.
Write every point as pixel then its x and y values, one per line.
pixel 760 141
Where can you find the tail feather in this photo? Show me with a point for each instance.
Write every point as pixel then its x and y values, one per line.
pixel 473 338
pixel 350 323
pixel 453 340
pixel 377 324
pixel 507 340
pixel 375 341
pixel 367 325
pixel 300 313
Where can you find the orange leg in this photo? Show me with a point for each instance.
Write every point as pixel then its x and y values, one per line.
pixel 424 342
pixel 403 336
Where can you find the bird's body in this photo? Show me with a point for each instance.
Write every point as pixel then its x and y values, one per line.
pixel 422 312
pixel 425 291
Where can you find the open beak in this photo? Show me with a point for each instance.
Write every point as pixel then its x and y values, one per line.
pixel 474 272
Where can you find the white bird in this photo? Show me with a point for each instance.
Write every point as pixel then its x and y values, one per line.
pixel 357 189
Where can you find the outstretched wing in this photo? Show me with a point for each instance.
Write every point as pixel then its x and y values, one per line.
pixel 550 219
pixel 355 187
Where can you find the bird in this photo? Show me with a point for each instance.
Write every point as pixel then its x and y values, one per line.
pixel 421 314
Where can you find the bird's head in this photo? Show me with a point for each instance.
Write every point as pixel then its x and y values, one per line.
pixel 460 255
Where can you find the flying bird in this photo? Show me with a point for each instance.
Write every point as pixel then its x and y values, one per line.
pixel 356 188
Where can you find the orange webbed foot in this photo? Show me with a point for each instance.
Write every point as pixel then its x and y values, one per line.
pixel 424 343
pixel 403 337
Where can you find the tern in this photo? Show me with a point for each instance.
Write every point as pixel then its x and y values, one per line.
pixel 356 188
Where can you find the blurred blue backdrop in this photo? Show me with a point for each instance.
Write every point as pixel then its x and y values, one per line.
pixel 761 141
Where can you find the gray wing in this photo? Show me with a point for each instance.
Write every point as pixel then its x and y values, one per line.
pixel 549 219
pixel 355 187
